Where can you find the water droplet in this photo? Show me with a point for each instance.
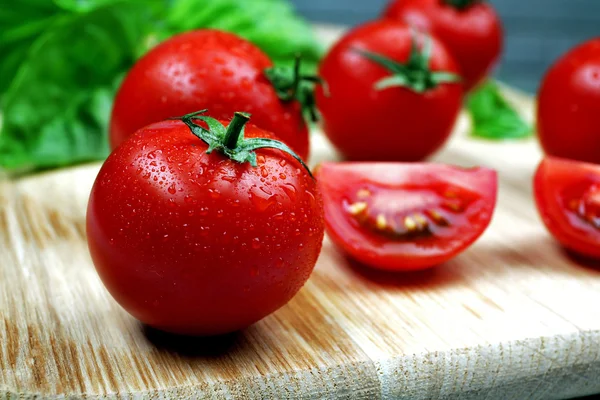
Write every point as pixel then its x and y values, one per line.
pixel 290 190
pixel 163 168
pixel 256 243
pixel 282 176
pixel 172 189
pixel 155 179
pixel 263 171
pixel 139 170
pixel 214 193
pixel 260 159
pixel 282 162
pixel 112 241
pixel 188 199
pixel 260 199
pixel 220 213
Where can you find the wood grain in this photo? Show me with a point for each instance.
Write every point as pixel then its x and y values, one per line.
pixel 512 318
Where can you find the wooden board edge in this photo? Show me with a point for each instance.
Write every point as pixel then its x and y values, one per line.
pixel 530 368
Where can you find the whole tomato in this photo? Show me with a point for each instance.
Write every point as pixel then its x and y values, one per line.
pixel 568 114
pixel 217 70
pixel 388 98
pixel 190 238
pixel 470 29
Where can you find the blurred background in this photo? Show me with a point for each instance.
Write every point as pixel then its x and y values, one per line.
pixel 537 31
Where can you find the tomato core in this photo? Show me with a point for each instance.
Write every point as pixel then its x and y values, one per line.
pixel 408 213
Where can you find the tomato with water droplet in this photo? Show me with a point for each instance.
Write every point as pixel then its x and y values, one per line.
pixel 226 272
pixel 404 217
pixel 567 194
pixel 208 69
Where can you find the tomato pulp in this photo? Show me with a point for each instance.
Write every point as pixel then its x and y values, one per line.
pixel 404 217
pixel 567 194
pixel 197 243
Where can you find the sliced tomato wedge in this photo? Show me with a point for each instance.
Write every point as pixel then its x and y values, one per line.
pixel 405 217
pixel 567 194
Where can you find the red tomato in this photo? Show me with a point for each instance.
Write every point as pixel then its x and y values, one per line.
pixel 405 217
pixel 470 29
pixel 196 243
pixel 567 194
pixel 569 105
pixel 205 69
pixel 402 112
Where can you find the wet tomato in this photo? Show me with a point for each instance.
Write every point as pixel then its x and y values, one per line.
pixel 569 105
pixel 470 29
pixel 567 194
pixel 391 93
pixel 197 243
pixel 404 217
pixel 209 69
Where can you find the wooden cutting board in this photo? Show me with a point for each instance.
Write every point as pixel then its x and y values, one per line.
pixel 511 318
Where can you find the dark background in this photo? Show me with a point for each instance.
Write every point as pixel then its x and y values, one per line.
pixel 537 31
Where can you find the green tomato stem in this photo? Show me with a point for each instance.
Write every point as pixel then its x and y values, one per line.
pixel 235 129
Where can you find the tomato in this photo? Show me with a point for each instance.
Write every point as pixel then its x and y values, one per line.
pixel 567 194
pixel 470 29
pixel 197 243
pixel 569 105
pixel 386 99
pixel 206 69
pixel 405 217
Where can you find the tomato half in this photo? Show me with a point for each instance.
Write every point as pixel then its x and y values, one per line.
pixel 404 217
pixel 197 243
pixel 471 29
pixel 205 69
pixel 567 194
pixel 569 105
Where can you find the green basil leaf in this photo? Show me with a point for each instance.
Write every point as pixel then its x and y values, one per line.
pixel 493 117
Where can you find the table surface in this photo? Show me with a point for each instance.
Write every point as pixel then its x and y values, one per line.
pixel 511 318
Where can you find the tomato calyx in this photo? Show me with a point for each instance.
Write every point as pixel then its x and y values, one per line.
pixel 462 4
pixel 416 73
pixel 290 84
pixel 230 140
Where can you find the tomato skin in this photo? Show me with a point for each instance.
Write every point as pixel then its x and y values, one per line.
pixel 208 69
pixel 556 182
pixel 395 124
pixel 569 105
pixel 338 182
pixel 474 35
pixel 195 243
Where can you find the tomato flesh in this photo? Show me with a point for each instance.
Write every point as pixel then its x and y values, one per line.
pixel 399 216
pixel 567 195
